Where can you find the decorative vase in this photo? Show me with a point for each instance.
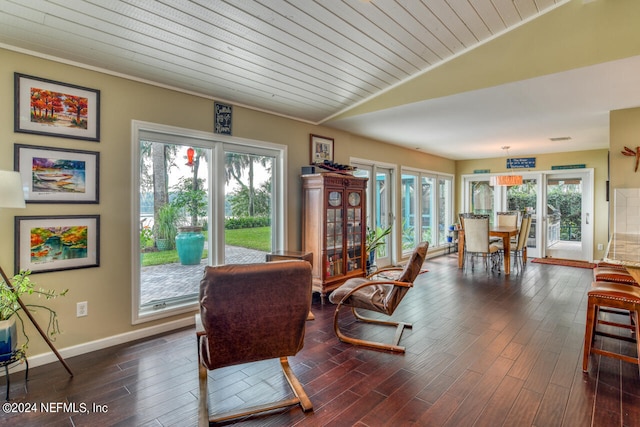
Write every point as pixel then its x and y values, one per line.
pixel 371 259
pixel 190 245
pixel 8 338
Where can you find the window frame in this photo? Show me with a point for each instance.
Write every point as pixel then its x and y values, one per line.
pixel 218 145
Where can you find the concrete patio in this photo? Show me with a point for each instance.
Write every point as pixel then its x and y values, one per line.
pixel 162 282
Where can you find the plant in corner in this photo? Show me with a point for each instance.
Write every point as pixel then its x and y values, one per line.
pixel 10 310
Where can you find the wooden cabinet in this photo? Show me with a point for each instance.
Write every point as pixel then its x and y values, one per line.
pixel 334 227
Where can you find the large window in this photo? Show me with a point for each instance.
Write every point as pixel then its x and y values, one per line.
pixel 199 201
pixel 426 208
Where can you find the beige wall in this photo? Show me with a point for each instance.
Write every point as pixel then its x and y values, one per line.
pixel 108 287
pixel 624 132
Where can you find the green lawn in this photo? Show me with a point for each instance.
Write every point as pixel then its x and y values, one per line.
pixel 252 238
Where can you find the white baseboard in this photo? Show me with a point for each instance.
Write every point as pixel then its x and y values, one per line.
pixel 76 350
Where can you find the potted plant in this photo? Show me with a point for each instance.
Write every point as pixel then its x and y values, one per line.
pixel 165 227
pixel 191 200
pixel 10 309
pixel 375 239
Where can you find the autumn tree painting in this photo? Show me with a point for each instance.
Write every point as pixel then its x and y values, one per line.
pixel 58 109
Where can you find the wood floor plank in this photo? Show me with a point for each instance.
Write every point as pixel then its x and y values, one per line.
pixel 485 350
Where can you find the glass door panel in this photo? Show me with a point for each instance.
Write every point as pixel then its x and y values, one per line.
pixel 379 214
pixel 334 230
pixel 408 212
pixel 354 231
pixel 445 209
pixel 524 198
pixel 248 212
pixel 568 232
pixel 482 198
pixel 428 206
pixel 172 195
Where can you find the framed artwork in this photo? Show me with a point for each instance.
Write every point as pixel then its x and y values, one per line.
pixel 54 243
pixel 57 175
pixel 321 149
pixel 51 108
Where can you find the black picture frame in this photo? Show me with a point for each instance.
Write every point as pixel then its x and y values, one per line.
pixel 67 110
pixel 58 175
pixel 56 242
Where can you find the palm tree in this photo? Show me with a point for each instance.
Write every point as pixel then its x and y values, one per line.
pixel 236 164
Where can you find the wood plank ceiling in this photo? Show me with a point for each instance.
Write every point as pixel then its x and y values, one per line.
pixel 308 60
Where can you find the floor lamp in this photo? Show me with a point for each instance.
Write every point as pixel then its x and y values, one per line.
pixel 12 196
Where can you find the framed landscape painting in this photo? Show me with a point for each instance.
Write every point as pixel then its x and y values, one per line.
pixel 57 175
pixel 47 107
pixel 53 243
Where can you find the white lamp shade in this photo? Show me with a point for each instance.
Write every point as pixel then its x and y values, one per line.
pixel 11 193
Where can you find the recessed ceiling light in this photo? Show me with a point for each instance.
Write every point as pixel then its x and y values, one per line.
pixel 560 138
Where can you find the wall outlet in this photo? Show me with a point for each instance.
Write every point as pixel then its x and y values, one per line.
pixel 600 246
pixel 82 309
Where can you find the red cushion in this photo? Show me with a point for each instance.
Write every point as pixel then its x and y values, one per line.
pixel 611 265
pixel 606 274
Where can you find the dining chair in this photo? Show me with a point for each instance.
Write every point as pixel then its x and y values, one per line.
pixel 519 245
pixel 477 244
pixel 506 219
pixel 462 216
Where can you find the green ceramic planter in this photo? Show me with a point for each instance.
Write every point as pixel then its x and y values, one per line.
pixel 190 245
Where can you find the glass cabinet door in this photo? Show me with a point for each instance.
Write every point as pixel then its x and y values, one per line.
pixel 335 232
pixel 354 231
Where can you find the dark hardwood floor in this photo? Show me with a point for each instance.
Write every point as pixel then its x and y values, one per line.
pixel 485 350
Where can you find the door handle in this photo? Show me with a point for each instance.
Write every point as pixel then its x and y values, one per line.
pixel 587 219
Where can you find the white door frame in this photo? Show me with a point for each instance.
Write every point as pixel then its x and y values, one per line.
pixel 586 175
pixel 541 177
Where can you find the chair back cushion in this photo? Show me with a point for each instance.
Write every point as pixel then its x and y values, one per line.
pixel 476 234
pixel 507 219
pixel 525 227
pixel 409 274
pixel 253 312
pixel 414 265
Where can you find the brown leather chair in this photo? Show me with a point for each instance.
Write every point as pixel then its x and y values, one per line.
pixel 252 312
pixel 379 292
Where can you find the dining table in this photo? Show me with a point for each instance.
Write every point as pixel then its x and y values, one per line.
pixel 505 233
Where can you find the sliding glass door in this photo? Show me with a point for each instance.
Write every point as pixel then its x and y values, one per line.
pixel 223 197
pixel 379 212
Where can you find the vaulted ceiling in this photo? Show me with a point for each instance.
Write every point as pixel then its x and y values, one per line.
pixel 315 60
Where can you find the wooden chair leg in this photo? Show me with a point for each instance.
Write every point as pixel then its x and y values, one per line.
pixel 295 385
pixel 588 334
pixel 204 419
pixel 203 399
pixel 366 343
